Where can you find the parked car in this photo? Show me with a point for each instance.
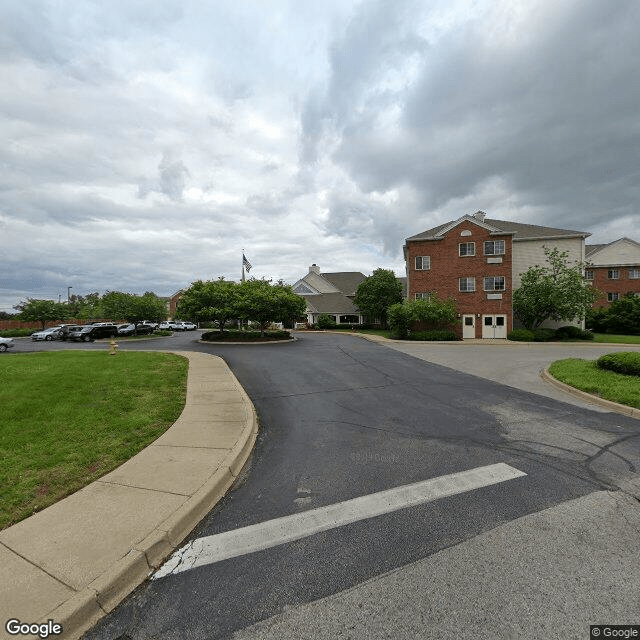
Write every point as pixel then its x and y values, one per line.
pixel 169 325
pixel 90 332
pixel 6 343
pixel 52 333
pixel 66 328
pixel 189 326
pixel 153 325
pixel 131 329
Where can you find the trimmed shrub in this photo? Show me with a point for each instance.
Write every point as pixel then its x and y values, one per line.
pixel 17 333
pixel 520 335
pixel 627 363
pixel 436 334
pixel 573 333
pixel 325 321
pixel 162 332
pixel 544 334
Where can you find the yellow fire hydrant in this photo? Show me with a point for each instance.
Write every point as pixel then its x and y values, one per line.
pixel 113 347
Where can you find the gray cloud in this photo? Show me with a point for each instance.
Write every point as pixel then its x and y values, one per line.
pixel 146 144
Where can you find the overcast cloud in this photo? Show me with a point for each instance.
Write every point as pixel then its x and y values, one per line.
pixel 147 143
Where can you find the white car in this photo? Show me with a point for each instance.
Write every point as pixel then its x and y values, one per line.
pixel 189 326
pixel 6 343
pixel 53 333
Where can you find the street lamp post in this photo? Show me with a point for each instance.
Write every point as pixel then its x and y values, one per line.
pixel 69 294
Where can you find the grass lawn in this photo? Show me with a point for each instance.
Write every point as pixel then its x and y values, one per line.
pixel 585 375
pixel 69 417
pixel 611 338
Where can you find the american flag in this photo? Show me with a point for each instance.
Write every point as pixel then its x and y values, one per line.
pixel 245 263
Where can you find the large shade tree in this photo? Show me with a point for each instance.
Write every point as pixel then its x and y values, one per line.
pixel 133 308
pixel 556 291
pixel 42 311
pixel 377 293
pixel 264 303
pixel 213 301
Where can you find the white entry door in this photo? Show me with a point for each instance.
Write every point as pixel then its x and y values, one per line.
pixel 468 326
pixel 494 326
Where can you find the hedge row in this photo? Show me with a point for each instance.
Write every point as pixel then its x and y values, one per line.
pixel 544 334
pixel 244 336
pixel 626 362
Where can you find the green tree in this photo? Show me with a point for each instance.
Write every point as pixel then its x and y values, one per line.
pixel 214 300
pixel 623 315
pixel 377 293
pixel 86 307
pixel 265 303
pixel 430 311
pixel 133 308
pixel 556 291
pixel 42 311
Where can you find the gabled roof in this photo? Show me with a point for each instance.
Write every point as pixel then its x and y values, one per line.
pixel 330 303
pixel 518 230
pixel 592 249
pixel 345 281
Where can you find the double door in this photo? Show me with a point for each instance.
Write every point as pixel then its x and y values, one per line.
pixel 494 326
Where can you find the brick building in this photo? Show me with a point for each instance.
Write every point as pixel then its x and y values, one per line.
pixel 479 262
pixel 614 269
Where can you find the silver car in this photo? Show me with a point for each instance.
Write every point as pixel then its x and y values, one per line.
pixel 6 343
pixel 53 333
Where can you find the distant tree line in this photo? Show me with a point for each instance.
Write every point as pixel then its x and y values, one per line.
pixel 114 305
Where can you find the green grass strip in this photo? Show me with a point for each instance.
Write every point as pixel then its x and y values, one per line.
pixel 69 417
pixel 585 375
pixel 615 339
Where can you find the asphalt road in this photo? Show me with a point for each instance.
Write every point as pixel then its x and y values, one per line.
pixel 340 418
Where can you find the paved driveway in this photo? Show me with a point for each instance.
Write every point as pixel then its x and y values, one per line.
pixel 514 364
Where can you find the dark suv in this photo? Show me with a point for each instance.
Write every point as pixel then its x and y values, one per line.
pixel 90 332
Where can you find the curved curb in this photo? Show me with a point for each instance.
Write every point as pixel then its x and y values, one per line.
pixel 583 395
pixel 249 342
pixel 85 605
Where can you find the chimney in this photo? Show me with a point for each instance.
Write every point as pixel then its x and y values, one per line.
pixel 479 215
pixel 314 268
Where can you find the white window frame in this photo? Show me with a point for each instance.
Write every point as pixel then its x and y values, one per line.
pixel 494 288
pixel 613 274
pixel 499 252
pixel 467 281
pixel 422 296
pixel 612 296
pixel 421 261
pixel 589 274
pixel 634 273
pixel 467 245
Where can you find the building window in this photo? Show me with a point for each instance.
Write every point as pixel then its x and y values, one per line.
pixel 423 296
pixel 467 284
pixel 423 263
pixel 634 273
pixel 467 249
pixel 613 296
pixel 588 274
pixel 494 248
pixel 613 274
pixel 494 283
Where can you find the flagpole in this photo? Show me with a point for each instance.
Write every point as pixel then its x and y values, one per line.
pixel 242 280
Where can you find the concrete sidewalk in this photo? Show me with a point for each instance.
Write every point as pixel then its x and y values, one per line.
pixel 76 560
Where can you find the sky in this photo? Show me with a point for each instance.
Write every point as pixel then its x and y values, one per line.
pixel 146 144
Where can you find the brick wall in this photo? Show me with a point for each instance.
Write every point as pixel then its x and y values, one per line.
pixel 447 267
pixel 624 284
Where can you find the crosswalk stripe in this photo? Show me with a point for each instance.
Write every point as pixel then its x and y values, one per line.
pixel 238 542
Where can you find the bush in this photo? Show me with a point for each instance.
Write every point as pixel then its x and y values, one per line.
pixel 627 363
pixel 245 336
pixel 573 333
pixel 325 321
pixel 520 335
pixel 437 334
pixel 544 334
pixel 17 333
pixel 162 332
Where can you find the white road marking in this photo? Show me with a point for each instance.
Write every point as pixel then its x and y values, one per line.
pixel 271 533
